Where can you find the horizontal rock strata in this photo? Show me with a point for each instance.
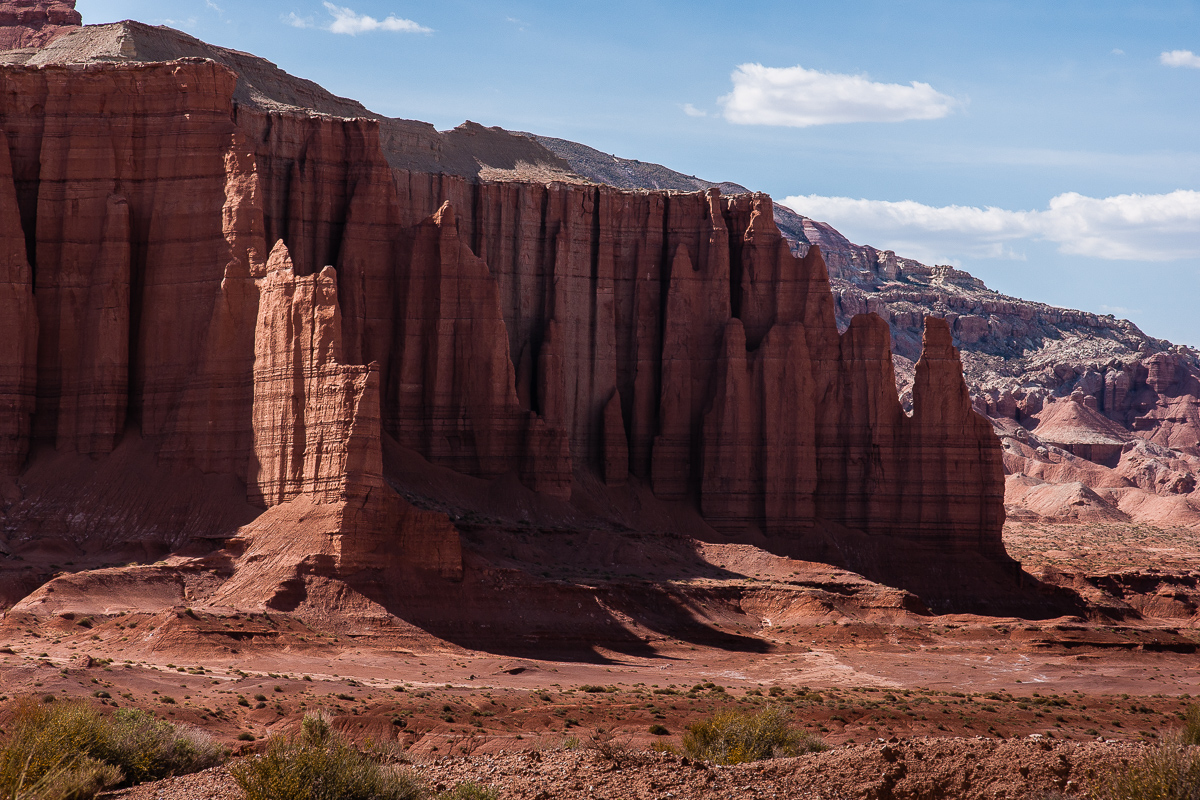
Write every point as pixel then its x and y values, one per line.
pixel 35 23
pixel 559 333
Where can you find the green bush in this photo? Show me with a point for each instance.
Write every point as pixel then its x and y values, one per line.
pixel 68 751
pixel 1170 771
pixel 733 737
pixel 319 764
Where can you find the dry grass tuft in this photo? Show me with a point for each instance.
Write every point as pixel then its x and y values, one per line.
pixel 470 791
pixel 68 751
pixel 1190 735
pixel 1170 771
pixel 733 737
pixel 320 764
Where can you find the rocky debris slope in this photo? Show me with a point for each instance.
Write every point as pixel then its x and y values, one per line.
pixel 583 341
pixel 963 769
pixel 1017 356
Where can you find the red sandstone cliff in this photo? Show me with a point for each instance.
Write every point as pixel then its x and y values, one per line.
pixel 35 23
pixel 562 334
pixel 1019 356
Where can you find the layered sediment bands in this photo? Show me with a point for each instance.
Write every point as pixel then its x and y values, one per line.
pixel 549 331
pixel 142 202
pixel 118 173
pixel 315 419
pixel 318 459
pixel 35 23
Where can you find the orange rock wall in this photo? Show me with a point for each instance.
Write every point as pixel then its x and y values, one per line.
pixel 552 331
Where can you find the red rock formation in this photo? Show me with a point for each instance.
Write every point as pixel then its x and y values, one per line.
pixel 18 329
pixel 547 332
pixel 35 23
pixel 315 419
pixel 950 456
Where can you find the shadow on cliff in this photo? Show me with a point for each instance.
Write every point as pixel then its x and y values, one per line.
pixel 947 582
pixel 512 613
pixel 544 573
pixel 615 569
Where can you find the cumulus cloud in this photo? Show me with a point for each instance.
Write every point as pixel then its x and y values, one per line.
pixel 1180 58
pixel 692 111
pixel 1135 227
pixel 799 98
pixel 349 22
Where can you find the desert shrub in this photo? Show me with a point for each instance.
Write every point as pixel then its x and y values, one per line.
pixel 1170 771
pixel 605 745
pixel 732 737
pixel 470 791
pixel 659 730
pixel 68 751
pixel 149 749
pixel 319 764
pixel 47 754
pixel 1190 735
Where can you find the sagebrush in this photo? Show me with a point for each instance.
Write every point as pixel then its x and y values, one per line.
pixel 1190 735
pixel 1170 771
pixel 470 791
pixel 733 737
pixel 69 751
pixel 320 764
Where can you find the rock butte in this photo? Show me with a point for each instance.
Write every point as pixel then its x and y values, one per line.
pixel 1018 356
pixel 255 338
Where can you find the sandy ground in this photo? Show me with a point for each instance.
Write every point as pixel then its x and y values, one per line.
pixel 951 693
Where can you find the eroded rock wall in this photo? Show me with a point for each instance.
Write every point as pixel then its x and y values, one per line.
pixel 551 331
pixel 18 329
pixel 35 23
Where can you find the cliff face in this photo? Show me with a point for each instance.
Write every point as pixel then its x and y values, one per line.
pixel 1019 357
pixel 35 23
pixel 564 334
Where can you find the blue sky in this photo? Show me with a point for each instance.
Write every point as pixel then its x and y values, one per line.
pixel 1052 149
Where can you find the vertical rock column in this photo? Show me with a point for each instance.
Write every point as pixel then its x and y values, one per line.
pixel 317 436
pixel 18 329
pixel 454 386
pixel 953 491
pixel 316 420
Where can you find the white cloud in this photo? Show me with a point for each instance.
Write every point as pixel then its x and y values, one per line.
pixel 799 98
pixel 1118 51
pixel 349 22
pixel 1180 58
pixel 1134 227
pixel 692 111
pixel 297 21
pixel 214 7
